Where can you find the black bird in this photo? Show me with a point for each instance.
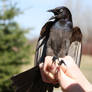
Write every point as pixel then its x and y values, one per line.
pixel 57 38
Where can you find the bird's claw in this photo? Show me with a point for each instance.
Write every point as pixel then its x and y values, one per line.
pixel 54 59
pixel 60 62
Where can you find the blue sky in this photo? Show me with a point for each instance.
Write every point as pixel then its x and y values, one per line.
pixel 35 14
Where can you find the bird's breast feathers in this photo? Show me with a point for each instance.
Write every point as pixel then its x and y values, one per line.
pixel 62 26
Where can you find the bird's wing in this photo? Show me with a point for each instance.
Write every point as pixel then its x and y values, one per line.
pixel 40 55
pixel 42 41
pixel 75 49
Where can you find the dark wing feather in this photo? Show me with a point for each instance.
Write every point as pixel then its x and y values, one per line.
pixel 30 81
pixel 40 54
pixel 25 80
pixel 75 49
pixel 42 41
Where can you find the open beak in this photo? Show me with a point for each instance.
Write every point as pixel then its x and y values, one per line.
pixel 53 11
pixel 53 17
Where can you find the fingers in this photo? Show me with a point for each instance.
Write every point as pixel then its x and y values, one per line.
pixel 64 68
pixel 47 64
pixel 60 73
pixel 49 68
pixel 47 76
pixel 44 76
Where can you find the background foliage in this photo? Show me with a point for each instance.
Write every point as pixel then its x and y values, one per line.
pixel 14 47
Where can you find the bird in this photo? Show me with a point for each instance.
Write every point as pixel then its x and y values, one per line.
pixel 58 38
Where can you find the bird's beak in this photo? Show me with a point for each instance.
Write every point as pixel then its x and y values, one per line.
pixel 51 10
pixel 53 17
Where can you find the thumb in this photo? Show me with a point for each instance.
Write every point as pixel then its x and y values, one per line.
pixel 63 79
pixel 61 74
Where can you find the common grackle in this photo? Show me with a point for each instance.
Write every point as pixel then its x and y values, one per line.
pixel 57 38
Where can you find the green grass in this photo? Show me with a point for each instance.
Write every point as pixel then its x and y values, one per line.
pixel 86 67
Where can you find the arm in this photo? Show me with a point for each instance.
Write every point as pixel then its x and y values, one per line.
pixel 69 77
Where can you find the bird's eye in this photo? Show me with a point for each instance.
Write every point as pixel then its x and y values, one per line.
pixel 61 10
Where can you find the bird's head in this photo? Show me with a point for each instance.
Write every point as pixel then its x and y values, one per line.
pixel 61 13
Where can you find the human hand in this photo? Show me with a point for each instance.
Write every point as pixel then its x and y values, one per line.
pixel 71 78
pixel 48 70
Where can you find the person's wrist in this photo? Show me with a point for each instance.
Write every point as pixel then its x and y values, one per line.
pixel 87 87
